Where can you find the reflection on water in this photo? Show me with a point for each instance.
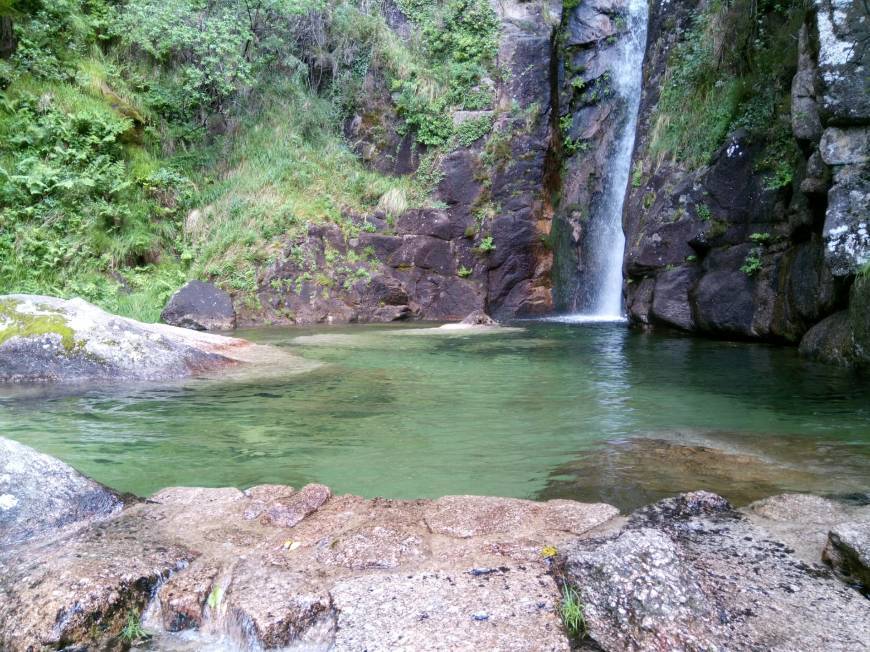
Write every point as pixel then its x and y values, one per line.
pixel 586 411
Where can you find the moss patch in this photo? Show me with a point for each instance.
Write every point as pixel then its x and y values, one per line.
pixel 17 324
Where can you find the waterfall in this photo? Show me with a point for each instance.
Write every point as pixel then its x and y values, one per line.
pixel 609 240
pixel 596 292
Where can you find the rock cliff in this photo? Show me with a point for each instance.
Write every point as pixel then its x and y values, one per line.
pixel 484 247
pixel 763 239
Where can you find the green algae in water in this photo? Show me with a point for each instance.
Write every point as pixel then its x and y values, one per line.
pixel 553 410
pixel 14 323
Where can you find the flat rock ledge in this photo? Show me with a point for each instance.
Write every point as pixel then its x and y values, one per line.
pixel 45 339
pixel 278 568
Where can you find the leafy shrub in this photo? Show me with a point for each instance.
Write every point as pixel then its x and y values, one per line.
pixel 733 69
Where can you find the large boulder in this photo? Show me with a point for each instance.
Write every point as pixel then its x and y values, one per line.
pixel 690 573
pixel 49 339
pixel 830 341
pixel 39 494
pixel 200 306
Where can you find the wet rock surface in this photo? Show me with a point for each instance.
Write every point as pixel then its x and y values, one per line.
pixel 200 306
pixel 641 470
pixel 44 339
pixel 691 573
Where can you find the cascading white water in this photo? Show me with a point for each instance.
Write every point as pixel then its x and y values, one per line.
pixel 607 243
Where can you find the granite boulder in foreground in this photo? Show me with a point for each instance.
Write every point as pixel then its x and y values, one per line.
pixel 49 339
pixel 274 568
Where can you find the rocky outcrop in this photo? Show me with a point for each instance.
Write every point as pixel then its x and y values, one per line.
pixel 272 567
pixel 44 339
pixel 200 306
pixel 719 249
pixel 484 248
pixel 844 337
pixel 691 573
pixel 40 494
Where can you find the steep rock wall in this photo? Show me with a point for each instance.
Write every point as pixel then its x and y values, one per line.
pixel 718 249
pixel 486 245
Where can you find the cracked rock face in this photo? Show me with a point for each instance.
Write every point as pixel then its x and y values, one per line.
pixel 690 573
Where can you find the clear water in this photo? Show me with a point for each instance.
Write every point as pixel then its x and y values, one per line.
pixel 553 409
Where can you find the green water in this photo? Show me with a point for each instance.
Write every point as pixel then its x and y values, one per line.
pixel 584 411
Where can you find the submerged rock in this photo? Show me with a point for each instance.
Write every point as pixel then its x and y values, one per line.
pixel 39 494
pixel 200 306
pixel 690 573
pixel 479 318
pixel 48 339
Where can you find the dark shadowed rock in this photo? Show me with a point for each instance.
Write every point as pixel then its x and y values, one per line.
pixel 200 306
pixel 723 298
pixel 670 303
pixel 688 573
pixel 39 494
pixel 848 552
pixel 830 341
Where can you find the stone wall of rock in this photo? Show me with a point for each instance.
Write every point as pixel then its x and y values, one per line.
pixel 691 233
pixel 485 248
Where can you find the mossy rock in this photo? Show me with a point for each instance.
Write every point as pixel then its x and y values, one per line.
pixel 14 323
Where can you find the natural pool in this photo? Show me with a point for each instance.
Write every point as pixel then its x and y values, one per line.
pixel 593 412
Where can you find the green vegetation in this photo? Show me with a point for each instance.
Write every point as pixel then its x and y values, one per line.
pixel 486 245
pixel 571 611
pixel 18 324
pixel 133 630
pixel 752 264
pixel 703 212
pixel 456 48
pixel 733 70
pixel 149 141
